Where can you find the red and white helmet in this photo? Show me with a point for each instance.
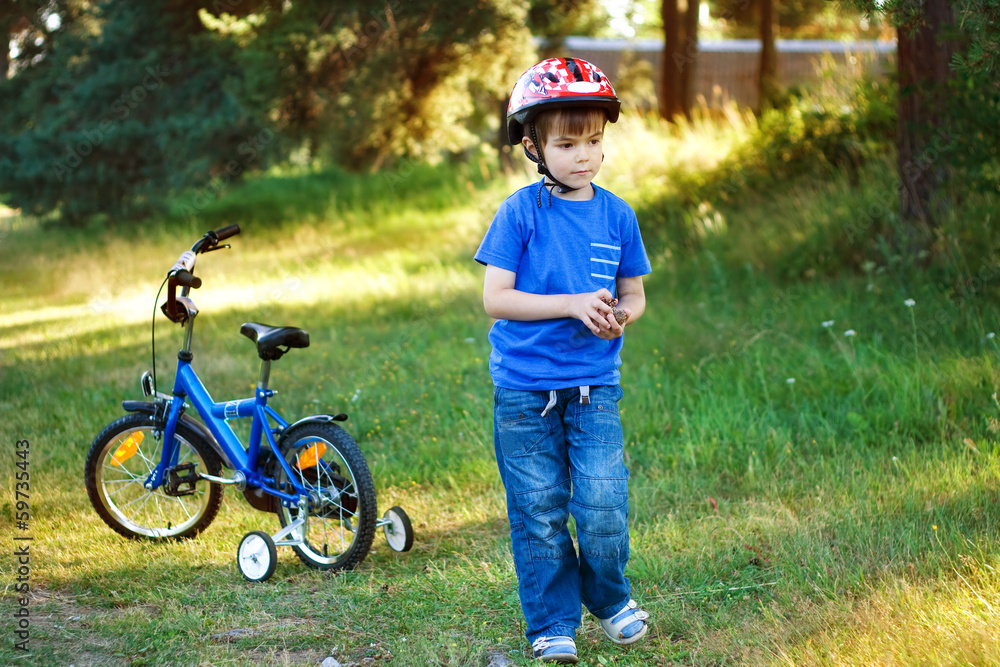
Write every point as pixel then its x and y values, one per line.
pixel 554 83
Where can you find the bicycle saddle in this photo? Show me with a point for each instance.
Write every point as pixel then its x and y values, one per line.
pixel 270 339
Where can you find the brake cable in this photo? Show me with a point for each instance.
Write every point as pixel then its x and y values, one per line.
pixel 152 333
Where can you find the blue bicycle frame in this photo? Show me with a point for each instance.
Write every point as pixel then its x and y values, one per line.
pixel 216 416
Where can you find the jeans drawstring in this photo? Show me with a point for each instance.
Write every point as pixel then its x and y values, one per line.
pixel 552 402
pixel 554 396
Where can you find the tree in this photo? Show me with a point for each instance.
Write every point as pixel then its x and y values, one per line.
pixel 925 49
pixel 241 83
pixel 670 89
pixel 799 19
pixel 362 83
pixel 552 21
pixel 689 37
pixel 680 57
pixel 30 27
pixel 129 103
pixel 924 56
pixel 767 76
pixel 981 22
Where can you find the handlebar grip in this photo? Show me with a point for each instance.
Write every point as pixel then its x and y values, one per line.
pixel 226 232
pixel 187 279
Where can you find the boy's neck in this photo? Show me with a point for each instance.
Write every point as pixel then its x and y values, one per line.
pixel 586 193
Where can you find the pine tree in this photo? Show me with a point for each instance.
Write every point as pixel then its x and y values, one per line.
pixel 126 107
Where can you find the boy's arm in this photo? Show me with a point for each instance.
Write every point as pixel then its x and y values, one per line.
pixel 503 302
pixel 632 297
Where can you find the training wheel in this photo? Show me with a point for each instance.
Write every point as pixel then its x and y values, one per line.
pixel 257 556
pixel 398 531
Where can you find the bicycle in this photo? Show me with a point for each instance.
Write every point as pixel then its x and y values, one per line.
pixel 157 471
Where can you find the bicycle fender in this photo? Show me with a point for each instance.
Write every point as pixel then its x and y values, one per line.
pixel 149 408
pixel 318 419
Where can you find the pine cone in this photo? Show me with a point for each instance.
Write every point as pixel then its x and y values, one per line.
pixel 620 313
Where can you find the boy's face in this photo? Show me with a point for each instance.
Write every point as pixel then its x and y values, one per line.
pixel 574 159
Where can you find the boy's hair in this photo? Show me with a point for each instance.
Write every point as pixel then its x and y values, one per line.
pixel 569 121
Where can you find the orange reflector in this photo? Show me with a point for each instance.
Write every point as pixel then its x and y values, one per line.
pixel 311 456
pixel 127 449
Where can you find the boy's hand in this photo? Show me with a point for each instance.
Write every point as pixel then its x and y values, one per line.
pixel 593 309
pixel 615 328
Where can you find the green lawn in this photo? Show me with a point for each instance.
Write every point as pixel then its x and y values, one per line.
pixel 798 495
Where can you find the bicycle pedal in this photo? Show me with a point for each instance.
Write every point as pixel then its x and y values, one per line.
pixel 175 480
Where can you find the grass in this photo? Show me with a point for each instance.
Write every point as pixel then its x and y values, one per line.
pixel 848 517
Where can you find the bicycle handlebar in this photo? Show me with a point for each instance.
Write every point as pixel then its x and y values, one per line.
pixel 226 232
pixel 186 279
pixel 182 272
pixel 184 263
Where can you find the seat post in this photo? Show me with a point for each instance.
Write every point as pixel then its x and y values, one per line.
pixel 265 374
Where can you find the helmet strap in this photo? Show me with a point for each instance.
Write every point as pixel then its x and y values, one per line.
pixel 543 169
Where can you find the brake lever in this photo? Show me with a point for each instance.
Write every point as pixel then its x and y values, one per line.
pixel 214 248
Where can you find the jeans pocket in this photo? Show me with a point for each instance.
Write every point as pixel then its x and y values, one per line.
pixel 600 419
pixel 519 422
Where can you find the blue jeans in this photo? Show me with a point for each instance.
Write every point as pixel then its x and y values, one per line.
pixel 569 461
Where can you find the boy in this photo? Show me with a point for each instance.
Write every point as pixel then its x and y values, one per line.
pixel 554 274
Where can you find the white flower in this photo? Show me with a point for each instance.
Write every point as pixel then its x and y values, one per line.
pixel 909 303
pixel 849 333
pixel 991 335
pixel 827 324
pixel 357 393
pixel 790 380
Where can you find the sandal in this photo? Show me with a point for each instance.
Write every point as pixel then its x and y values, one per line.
pixel 561 650
pixel 630 614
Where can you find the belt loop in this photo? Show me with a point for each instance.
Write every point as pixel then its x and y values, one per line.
pixel 585 395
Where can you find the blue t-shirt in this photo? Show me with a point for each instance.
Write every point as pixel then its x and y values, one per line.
pixel 570 247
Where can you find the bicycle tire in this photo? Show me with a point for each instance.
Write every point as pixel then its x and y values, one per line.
pixel 340 532
pixel 116 486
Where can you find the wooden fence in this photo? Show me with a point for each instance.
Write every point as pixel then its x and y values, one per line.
pixel 726 70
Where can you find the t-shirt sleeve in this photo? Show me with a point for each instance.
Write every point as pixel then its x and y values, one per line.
pixel 634 261
pixel 503 244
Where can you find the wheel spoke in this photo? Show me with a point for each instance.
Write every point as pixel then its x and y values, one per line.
pixel 325 460
pixel 117 488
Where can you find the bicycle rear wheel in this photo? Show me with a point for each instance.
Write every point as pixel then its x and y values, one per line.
pixel 120 460
pixel 325 459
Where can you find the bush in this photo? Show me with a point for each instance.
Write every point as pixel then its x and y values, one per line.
pixel 811 134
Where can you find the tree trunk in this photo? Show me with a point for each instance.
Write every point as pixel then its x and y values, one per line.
pixel 690 57
pixel 670 93
pixel 921 130
pixel 767 80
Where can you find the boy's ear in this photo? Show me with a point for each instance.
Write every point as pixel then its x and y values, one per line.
pixel 529 145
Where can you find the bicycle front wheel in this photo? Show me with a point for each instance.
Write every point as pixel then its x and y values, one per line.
pixel 341 524
pixel 121 459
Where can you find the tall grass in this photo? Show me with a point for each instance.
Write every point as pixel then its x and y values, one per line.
pixel 798 496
